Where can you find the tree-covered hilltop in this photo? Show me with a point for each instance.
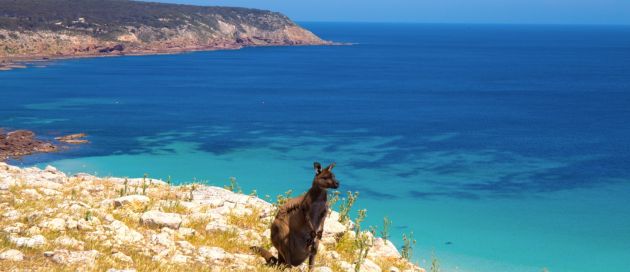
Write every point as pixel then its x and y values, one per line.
pixel 86 27
pixel 103 16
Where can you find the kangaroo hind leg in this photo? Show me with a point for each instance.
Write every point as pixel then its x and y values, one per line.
pixel 270 259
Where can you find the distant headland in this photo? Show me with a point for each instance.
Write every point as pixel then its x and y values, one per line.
pixel 48 29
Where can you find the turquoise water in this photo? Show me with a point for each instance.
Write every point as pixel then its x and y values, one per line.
pixel 503 148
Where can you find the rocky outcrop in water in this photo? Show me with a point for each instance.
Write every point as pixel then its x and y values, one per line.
pixel 53 222
pixel 77 138
pixel 21 143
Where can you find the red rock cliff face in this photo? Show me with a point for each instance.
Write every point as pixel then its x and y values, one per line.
pixel 66 28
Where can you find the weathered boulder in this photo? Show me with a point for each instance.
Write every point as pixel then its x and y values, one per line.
pixel 12 255
pixel 6 182
pixel 65 257
pixel 123 234
pixel 213 253
pixel 49 192
pixel 11 215
pixel 29 242
pixel 31 194
pixel 186 232
pixel 218 226
pixel 69 242
pixel 161 219
pixel 56 224
pixel 131 200
pixel 369 266
pixel 383 248
pixel 322 269
pixel 122 257
pixel 162 241
pixel 179 259
pixel 186 247
pixel 332 227
pixel 14 228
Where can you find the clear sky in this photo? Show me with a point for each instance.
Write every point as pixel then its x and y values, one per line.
pixel 443 11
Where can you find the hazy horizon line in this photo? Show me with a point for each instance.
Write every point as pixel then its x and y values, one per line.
pixel 460 23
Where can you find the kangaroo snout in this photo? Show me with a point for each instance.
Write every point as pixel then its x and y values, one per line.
pixel 335 184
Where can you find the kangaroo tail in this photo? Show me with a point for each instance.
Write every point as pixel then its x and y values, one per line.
pixel 270 259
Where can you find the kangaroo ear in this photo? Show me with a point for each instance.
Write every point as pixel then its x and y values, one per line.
pixel 331 166
pixel 318 167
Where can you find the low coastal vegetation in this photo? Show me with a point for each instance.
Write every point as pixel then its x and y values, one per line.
pixel 54 222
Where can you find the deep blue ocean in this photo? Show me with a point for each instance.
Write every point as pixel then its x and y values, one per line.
pixel 501 147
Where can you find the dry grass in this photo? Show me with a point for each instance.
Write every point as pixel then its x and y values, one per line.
pixel 346 247
pixel 322 260
pixel 386 262
pixel 174 207
pixel 128 218
pixel 228 240
pixel 198 225
pixel 250 221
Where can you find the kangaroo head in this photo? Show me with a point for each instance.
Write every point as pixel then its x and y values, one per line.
pixel 324 178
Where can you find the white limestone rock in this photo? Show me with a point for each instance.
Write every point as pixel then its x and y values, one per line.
pixel 14 228
pixel 56 224
pixel 49 192
pixel 186 247
pixel 383 248
pixel 122 257
pixel 12 255
pixel 179 259
pixel 322 269
pixel 369 266
pixel 69 242
pixel 31 194
pixel 131 200
pixel 219 226
pixel 213 253
pixel 162 240
pixel 123 234
pixel 29 242
pixel 186 232
pixel 6 181
pixel 332 227
pixel 65 257
pixel 161 219
pixel 11 215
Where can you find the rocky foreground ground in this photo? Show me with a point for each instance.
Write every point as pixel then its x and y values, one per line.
pixel 53 222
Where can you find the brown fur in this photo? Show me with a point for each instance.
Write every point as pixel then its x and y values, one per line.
pixel 299 224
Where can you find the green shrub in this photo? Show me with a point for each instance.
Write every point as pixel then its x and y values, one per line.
pixel 408 244
pixel 346 206
pixel 386 225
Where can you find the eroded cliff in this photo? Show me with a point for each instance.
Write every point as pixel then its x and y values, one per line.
pixel 67 28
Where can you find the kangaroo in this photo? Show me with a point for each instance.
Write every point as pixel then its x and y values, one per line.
pixel 299 224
